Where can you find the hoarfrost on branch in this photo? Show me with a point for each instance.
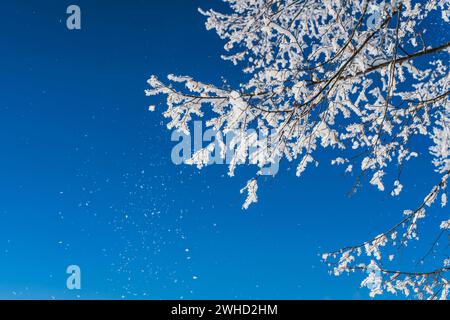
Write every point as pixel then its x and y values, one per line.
pixel 361 78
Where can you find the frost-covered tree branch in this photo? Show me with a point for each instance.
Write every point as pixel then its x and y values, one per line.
pixel 421 283
pixel 362 79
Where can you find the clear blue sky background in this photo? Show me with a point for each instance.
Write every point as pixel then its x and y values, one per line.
pixel 86 176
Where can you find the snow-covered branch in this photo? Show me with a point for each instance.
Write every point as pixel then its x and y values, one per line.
pixel 362 79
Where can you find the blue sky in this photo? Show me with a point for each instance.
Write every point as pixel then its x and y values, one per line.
pixel 86 176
